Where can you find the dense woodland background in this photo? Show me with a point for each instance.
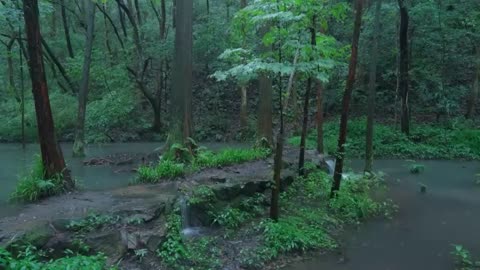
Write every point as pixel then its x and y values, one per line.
pixel 130 98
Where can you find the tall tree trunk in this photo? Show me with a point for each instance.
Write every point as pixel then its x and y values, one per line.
pixel 403 68
pixel 372 85
pixel 320 145
pixel 342 138
pixel 107 35
pixel 181 126
pixel 52 157
pixel 472 100
pixel 208 7
pixel 243 107
pixel 265 108
pixel 66 29
pixel 306 105
pixel 79 144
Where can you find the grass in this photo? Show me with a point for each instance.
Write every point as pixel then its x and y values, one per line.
pixel 34 187
pixel 170 168
pixel 463 259
pixel 455 140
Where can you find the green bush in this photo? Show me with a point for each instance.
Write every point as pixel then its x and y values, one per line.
pixel 33 187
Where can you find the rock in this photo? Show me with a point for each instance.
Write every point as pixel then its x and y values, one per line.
pixel 288 176
pixel 130 239
pixel 110 243
pixel 154 242
pixel 37 235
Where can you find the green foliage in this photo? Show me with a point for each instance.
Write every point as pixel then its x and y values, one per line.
pixel 292 233
pixel 91 222
pixel 228 157
pixel 173 251
pixel 34 187
pixel 453 141
pixel 31 258
pixel 463 259
pixel 201 195
pixel 230 217
pixel 165 169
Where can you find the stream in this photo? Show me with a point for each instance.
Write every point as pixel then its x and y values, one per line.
pixel 421 234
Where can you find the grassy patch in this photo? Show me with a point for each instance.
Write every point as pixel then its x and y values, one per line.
pixel 34 187
pixel 32 258
pixel 455 140
pixel 170 168
pixel 164 169
pixel 91 223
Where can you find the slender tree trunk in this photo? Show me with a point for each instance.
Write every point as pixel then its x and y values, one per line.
pixel 52 157
pixel 243 107
pixel 342 138
pixel 79 144
pixel 472 101
pixel 107 35
pixel 181 126
pixel 403 68
pixel 372 85
pixel 66 29
pixel 278 158
pixel 208 7
pixel 320 145
pixel 22 87
pixel 306 105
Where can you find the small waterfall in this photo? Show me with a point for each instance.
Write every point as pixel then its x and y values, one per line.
pixel 185 213
pixel 188 230
pixel 331 166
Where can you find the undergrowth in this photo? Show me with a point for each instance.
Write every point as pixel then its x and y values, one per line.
pixel 455 140
pixel 463 259
pixel 31 258
pixel 33 187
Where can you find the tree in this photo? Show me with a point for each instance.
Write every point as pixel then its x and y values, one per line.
pixel 372 85
pixel 52 157
pixel 79 144
pixel 342 137
pixel 475 89
pixel 403 68
pixel 181 124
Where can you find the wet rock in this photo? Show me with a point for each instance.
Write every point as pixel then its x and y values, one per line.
pixel 110 243
pixel 38 236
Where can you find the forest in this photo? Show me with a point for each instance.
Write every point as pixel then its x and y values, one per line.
pixel 251 134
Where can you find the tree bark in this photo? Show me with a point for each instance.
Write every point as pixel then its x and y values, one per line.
pixel 66 29
pixel 52 157
pixel 79 144
pixel 472 101
pixel 243 3
pixel 372 85
pixel 11 81
pixel 342 138
pixel 306 105
pixel 181 126
pixel 403 68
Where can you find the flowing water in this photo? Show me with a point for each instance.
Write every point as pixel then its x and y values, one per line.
pixel 421 234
